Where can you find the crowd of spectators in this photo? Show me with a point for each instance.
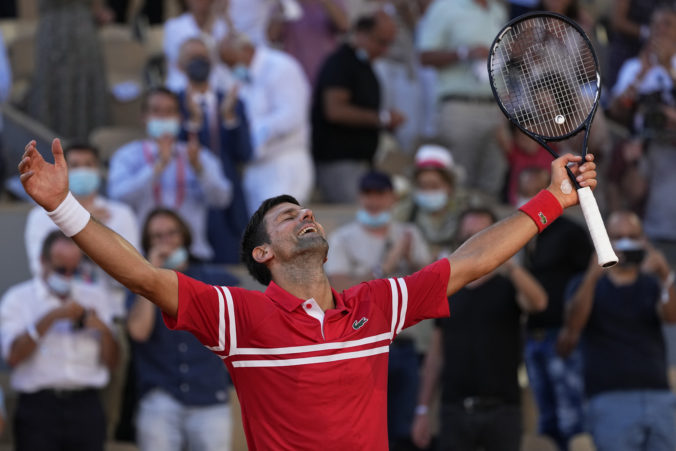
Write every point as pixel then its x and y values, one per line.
pixel 267 97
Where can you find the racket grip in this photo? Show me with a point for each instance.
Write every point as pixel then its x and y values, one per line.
pixel 597 230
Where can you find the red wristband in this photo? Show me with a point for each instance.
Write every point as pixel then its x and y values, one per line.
pixel 543 209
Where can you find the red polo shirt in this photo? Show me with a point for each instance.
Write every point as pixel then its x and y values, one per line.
pixel 308 379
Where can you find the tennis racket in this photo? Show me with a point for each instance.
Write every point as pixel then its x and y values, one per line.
pixel 544 75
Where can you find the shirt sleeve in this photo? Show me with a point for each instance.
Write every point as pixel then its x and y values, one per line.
pixel 419 296
pixel 216 187
pixel 130 176
pixel 433 29
pixel 13 319
pixel 203 311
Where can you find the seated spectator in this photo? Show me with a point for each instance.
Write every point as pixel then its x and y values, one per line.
pixel 162 170
pixel 276 95
pixel 56 335
pixel 480 405
pixel 437 200
pixel 199 21
pixel 312 36
pixel 521 152
pixel 375 246
pixel 178 406
pixel 85 177
pixel 5 86
pixel 619 314
pixel 346 109
pixel 221 125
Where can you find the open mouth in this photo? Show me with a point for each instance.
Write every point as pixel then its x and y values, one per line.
pixel 307 229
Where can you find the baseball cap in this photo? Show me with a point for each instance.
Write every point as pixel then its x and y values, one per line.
pixel 433 156
pixel 375 181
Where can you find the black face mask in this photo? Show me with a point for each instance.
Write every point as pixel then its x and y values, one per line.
pixel 198 70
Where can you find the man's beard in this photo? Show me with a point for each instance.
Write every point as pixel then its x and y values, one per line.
pixel 312 245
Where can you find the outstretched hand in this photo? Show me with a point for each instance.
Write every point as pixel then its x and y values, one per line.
pixel 45 183
pixel 562 187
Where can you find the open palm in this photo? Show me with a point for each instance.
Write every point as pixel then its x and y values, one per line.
pixel 46 183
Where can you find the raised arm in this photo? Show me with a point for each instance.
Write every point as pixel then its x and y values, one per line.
pixel 47 184
pixel 493 246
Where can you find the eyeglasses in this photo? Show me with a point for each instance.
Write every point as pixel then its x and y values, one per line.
pixel 67 272
pixel 164 234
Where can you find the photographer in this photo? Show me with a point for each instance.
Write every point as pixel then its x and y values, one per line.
pixel 619 313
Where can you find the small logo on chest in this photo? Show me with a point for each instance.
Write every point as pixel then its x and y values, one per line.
pixel 359 324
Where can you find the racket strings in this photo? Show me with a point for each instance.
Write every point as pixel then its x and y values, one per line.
pixel 545 76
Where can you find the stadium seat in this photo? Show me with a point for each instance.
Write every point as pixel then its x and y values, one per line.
pixel 109 139
pixel 21 52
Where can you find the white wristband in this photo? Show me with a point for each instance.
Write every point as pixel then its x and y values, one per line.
pixel 70 216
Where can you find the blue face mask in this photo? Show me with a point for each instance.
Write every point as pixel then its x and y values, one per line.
pixel 158 127
pixel 176 259
pixel 431 200
pixel 241 73
pixel 373 221
pixel 84 181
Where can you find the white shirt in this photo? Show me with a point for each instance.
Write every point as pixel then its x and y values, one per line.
pixel 121 220
pixel 180 29
pixel 131 179
pixel 277 100
pixel 656 78
pixel 251 17
pixel 64 358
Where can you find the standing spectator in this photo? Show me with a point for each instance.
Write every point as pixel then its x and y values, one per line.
pixel 180 407
pixel 312 36
pixel 69 91
pixel 556 381
pixel 85 180
pixel 455 40
pixel 252 17
pixel 5 86
pixel 375 246
pixel 56 335
pixel 480 405
pixel 401 75
pixel 437 201
pixel 276 96
pixel 629 29
pixel 346 114
pixel 219 121
pixel 619 314
pixel 164 171
pixel 199 21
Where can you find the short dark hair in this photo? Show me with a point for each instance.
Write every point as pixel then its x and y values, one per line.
pixel 81 146
pixel 158 90
pixel 256 234
pixel 162 211
pixel 48 242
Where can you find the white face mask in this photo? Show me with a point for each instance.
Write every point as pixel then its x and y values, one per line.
pixel 58 284
pixel 176 259
pixel 433 200
pixel 158 127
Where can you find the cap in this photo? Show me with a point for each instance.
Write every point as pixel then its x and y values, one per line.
pixel 375 181
pixel 433 156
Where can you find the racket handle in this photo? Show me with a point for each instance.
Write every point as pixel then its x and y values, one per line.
pixel 597 229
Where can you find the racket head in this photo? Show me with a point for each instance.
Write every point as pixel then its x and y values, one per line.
pixel 544 75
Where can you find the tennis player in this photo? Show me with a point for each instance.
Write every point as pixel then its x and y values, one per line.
pixel 309 363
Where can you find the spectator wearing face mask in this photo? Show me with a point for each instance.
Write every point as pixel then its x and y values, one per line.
pixel 56 336
pixel 437 200
pixel 84 180
pixel 619 314
pixel 220 123
pixel 376 246
pixel 162 170
pixel 178 405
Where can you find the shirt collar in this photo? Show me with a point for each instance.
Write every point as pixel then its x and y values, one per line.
pixel 290 302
